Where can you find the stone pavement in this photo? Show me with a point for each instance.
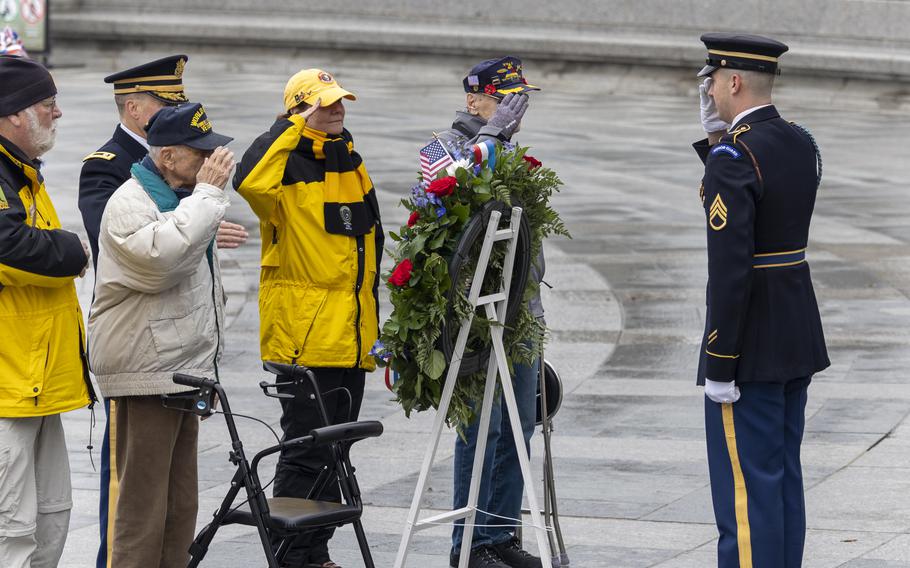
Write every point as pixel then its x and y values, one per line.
pixel 626 309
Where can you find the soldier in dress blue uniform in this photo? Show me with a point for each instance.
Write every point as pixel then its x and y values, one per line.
pixel 763 338
pixel 139 93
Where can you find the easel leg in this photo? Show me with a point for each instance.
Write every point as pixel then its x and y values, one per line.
pixel 480 450
pixel 508 391
pixel 438 424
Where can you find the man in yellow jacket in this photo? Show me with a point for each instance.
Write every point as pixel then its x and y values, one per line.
pixel 42 358
pixel 321 246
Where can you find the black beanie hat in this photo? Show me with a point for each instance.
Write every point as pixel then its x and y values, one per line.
pixel 23 82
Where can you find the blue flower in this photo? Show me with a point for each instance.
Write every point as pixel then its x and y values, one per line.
pixel 420 201
pixel 378 348
pixel 477 170
pixel 433 199
pixel 440 211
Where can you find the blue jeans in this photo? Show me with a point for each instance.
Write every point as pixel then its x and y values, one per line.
pixel 501 485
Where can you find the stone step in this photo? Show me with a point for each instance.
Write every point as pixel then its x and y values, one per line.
pixel 603 37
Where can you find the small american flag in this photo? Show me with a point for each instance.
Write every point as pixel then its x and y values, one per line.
pixel 433 157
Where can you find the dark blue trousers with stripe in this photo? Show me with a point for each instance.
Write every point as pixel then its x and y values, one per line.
pixel 756 475
pixel 104 495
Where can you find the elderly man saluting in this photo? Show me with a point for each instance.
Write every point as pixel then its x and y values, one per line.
pixel 42 360
pixel 159 309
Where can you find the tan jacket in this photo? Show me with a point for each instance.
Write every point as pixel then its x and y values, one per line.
pixel 159 303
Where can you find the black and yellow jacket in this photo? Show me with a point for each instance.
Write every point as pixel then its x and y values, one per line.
pixel 42 357
pixel 321 246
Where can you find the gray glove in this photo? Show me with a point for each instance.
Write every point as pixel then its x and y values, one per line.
pixel 508 114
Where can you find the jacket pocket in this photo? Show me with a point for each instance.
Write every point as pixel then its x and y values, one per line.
pixel 38 357
pixel 270 256
pixel 287 314
pixel 175 337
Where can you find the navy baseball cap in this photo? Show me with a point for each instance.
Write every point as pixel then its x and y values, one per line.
pixel 741 51
pixel 184 125
pixel 497 77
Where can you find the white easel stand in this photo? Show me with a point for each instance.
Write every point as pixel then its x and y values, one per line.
pixel 498 370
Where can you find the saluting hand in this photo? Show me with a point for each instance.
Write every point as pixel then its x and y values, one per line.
pixel 216 170
pixel 509 113
pixel 309 112
pixel 710 117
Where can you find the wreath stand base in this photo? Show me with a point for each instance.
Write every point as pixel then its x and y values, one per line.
pixel 497 371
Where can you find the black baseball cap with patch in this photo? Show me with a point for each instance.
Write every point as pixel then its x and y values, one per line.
pixel 741 51
pixel 497 77
pixel 162 79
pixel 184 125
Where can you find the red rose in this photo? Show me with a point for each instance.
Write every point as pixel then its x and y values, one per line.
pixel 490 89
pixel 532 162
pixel 443 186
pixel 412 220
pixel 402 273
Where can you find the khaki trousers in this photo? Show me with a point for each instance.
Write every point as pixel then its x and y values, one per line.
pixel 156 471
pixel 35 492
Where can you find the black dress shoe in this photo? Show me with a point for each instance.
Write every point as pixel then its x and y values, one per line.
pixel 484 556
pixel 514 556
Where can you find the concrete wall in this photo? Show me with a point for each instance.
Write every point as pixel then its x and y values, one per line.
pixel 858 38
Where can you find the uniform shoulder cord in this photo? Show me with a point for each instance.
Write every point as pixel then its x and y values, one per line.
pixel 742 130
pixel 818 154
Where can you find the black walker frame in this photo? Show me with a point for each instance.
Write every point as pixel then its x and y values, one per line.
pixel 281 519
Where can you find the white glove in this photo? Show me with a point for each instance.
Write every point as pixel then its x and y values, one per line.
pixel 710 120
pixel 721 392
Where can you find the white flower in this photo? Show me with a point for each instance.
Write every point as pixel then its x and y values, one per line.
pixel 453 167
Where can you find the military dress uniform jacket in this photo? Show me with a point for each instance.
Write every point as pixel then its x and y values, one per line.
pixel 758 192
pixel 42 359
pixel 102 173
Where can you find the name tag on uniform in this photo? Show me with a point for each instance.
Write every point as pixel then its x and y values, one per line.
pixel 727 149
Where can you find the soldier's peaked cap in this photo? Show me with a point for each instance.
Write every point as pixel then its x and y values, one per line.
pixel 741 51
pixel 162 78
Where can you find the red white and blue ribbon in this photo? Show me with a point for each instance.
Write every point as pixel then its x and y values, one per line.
pixel 485 150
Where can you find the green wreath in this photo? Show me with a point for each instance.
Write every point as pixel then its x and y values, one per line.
pixel 420 283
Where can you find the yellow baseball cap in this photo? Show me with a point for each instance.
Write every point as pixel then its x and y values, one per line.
pixel 311 84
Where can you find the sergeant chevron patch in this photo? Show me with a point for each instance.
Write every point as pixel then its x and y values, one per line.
pixel 717 216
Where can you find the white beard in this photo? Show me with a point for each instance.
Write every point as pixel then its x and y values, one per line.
pixel 42 139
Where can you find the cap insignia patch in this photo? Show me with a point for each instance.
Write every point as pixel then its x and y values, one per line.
pixel 199 121
pixel 178 71
pixel 325 77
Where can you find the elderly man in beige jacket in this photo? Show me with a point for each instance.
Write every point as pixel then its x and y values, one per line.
pixel 159 309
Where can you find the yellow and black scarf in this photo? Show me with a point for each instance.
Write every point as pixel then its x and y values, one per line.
pixel 350 206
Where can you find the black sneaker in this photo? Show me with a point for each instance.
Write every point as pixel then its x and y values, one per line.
pixel 481 557
pixel 516 557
